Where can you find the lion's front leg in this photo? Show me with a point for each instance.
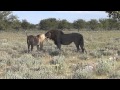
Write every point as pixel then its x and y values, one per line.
pixel 58 44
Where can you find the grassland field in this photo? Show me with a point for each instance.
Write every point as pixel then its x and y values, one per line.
pixel 102 60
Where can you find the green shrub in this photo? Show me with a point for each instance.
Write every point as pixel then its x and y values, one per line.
pixel 115 75
pixel 96 55
pixel 105 67
pixel 118 52
pixel 4 56
pixel 57 60
pixel 108 53
pixel 61 66
pixel 54 53
pixel 83 57
pixel 82 74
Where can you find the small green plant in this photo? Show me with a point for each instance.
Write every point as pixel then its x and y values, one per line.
pixel 105 67
pixel 82 74
pixel 61 66
pixel 57 60
pixel 96 54
pixel 82 71
pixel 83 57
pixel 118 52
pixel 108 53
pixel 54 53
pixel 115 75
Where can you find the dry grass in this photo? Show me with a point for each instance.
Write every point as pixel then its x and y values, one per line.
pixel 101 61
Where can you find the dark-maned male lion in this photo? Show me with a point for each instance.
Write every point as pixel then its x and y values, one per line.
pixel 60 38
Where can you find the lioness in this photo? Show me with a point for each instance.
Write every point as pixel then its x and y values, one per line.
pixel 35 41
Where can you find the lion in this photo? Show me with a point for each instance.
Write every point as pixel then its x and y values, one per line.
pixel 35 41
pixel 60 38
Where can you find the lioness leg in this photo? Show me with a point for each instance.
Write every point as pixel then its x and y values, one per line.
pixel 31 47
pixel 37 47
pixel 28 48
pixel 41 45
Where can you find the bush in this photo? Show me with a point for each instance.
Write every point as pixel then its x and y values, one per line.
pixel 96 54
pixel 4 56
pixel 82 71
pixel 84 57
pixel 115 75
pixel 108 53
pixel 118 52
pixel 54 53
pixel 57 60
pixel 82 74
pixel 104 67
pixel 61 66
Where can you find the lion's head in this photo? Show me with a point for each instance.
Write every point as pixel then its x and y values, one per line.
pixel 53 34
pixel 48 35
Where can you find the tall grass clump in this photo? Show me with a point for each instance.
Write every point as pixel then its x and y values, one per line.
pixel 115 75
pixel 96 54
pixel 82 74
pixel 104 67
pixel 82 71
pixel 4 59
pixel 54 52
pixel 84 57
pixel 61 66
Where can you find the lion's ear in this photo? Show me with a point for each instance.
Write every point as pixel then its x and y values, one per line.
pixel 38 36
pixel 49 34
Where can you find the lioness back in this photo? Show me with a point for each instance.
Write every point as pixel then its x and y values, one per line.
pixel 41 37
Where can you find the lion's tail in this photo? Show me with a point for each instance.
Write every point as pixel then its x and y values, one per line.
pixel 82 44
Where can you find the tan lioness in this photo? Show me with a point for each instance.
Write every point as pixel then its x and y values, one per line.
pixel 35 41
pixel 41 40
